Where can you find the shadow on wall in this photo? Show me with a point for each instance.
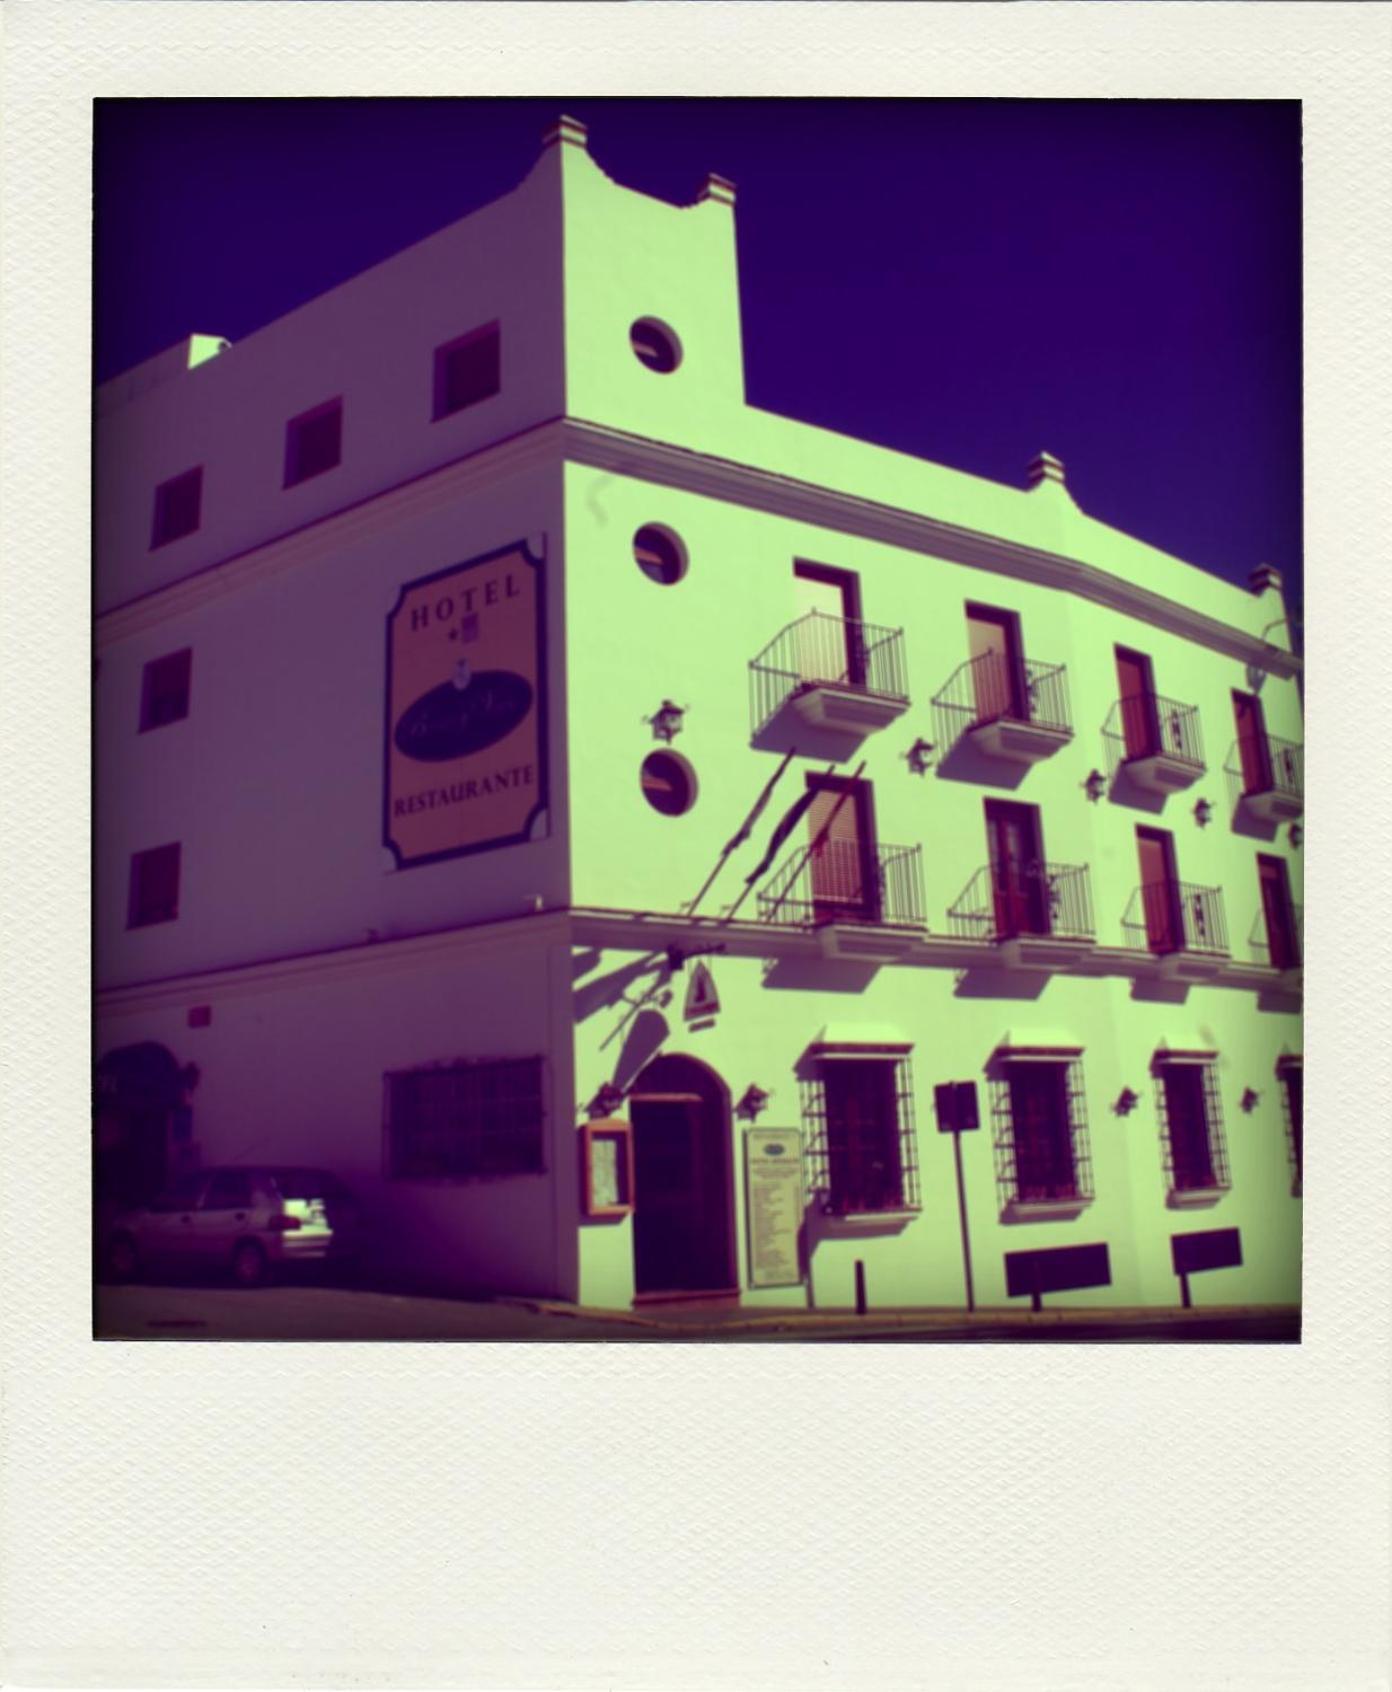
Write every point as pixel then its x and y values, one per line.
pixel 645 1039
pixel 987 983
pixel 1160 992
pixel 609 989
pixel 821 975
pixel 965 762
pixel 785 731
pixel 1124 791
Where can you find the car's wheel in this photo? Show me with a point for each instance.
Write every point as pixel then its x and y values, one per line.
pixel 249 1266
pixel 122 1259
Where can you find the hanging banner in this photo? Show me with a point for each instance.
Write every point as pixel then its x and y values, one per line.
pixel 773 1195
pixel 466 709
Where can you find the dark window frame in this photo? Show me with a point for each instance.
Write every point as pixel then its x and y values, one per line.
pixel 167 678
pixel 471 1121
pixel 864 1167
pixel 175 514
pixel 448 398
pixel 1025 1175
pixel 298 434
pixel 1189 1109
pixel 1290 1073
pixel 144 907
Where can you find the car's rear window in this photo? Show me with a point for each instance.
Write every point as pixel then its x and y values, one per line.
pixel 308 1184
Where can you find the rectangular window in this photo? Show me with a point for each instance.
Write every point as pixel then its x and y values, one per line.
pixel 313 442
pixel 178 507
pixel 467 1121
pixel 997 664
pixel 861 1142
pixel 1253 751
pixel 1046 1167
pixel 1195 1154
pixel 1019 876
pixel 830 644
pixel 1278 913
pixel 164 690
pixel 468 370
pixel 154 886
pixel 1160 895
pixel 841 826
pixel 1140 720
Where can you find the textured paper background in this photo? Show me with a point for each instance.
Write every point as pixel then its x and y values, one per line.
pixel 674 1517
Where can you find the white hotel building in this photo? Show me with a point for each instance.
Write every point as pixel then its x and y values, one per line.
pixel 449 630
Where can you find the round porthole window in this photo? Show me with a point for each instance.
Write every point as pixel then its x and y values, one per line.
pixel 655 345
pixel 669 783
pixel 659 554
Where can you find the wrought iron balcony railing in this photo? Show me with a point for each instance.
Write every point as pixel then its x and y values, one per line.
pixel 842 881
pixel 1263 764
pixel 819 650
pixel 1172 916
pixel 1149 726
pixel 1012 901
pixel 991 688
pixel 1279 944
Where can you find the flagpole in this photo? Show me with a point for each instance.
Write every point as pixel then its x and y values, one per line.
pixel 743 832
pixel 821 834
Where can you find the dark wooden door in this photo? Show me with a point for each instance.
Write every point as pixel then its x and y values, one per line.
pixel 1140 723
pixel 1164 922
pixel 1252 748
pixel 681 1212
pixel 1017 871
pixel 845 883
pixel 998 680
pixel 1278 912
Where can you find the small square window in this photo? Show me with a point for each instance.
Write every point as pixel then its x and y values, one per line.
pixel 164 693
pixel 154 886
pixel 467 370
pixel 313 442
pixel 178 507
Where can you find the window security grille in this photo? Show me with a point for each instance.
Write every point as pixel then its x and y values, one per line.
pixel 1191 1128
pixel 466 1121
pixel 862 1148
pixel 1292 1079
pixel 1040 1132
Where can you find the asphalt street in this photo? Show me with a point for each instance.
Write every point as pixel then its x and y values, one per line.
pixel 333 1313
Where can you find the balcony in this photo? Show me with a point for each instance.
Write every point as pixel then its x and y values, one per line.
pixel 866 902
pixel 830 673
pixel 1182 926
pixel 1280 944
pixel 1269 776
pixel 1038 916
pixel 1017 712
pixel 1156 741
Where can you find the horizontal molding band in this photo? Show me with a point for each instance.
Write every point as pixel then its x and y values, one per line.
pixel 597 446
pixel 641 931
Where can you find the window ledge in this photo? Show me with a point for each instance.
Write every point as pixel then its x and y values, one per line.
pixel 1045 1210
pixel 859 1220
pixel 1196 1198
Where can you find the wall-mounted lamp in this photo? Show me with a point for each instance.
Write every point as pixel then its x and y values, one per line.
pixel 1203 812
pixel 1297 834
pixel 1250 1098
pixel 606 1101
pixel 1126 1102
pixel 677 955
pixel 1095 786
pixel 918 756
pixel 667 721
pixel 754 1100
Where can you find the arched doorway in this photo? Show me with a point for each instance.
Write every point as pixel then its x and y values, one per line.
pixel 140 1112
pixel 683 1234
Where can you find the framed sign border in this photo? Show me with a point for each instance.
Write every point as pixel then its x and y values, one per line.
pixel 543 686
pixel 755 1284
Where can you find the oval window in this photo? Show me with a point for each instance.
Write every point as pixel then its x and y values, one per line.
pixel 669 783
pixel 655 345
pixel 660 555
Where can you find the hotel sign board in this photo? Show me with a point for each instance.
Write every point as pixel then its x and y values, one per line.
pixel 465 755
pixel 773 1195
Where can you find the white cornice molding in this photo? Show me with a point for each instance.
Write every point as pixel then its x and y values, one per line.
pixel 597 446
pixel 604 448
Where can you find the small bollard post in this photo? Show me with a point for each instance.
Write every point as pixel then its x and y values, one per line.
pixel 860 1287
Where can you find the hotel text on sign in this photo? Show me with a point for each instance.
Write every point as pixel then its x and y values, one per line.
pixel 773 1185
pixel 465 731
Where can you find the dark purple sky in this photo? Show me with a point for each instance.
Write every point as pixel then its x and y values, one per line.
pixel 966 280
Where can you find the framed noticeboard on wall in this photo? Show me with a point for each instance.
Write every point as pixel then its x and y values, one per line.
pixel 606 1168
pixel 774 1197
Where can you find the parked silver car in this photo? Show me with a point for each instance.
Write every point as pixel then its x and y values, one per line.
pixel 250 1222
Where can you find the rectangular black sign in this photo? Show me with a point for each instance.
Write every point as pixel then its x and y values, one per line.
pixel 1059 1270
pixel 1215 1248
pixel 956 1106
